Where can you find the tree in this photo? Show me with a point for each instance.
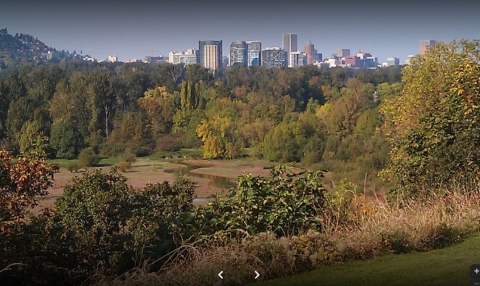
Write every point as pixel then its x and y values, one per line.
pixel 220 137
pixel 434 126
pixel 21 182
pixel 32 141
pixel 65 139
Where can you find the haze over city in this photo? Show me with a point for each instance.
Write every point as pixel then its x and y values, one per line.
pixel 133 30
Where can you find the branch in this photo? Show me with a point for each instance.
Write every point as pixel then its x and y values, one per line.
pixel 8 267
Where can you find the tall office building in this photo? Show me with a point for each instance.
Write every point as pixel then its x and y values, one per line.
pixel 254 51
pixel 342 53
pixel 310 53
pixel 425 44
pixel 289 44
pixel 393 61
pixel 238 54
pixel 210 54
pixel 274 57
pixel 297 59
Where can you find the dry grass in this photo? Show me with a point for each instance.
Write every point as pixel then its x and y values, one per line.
pixel 374 228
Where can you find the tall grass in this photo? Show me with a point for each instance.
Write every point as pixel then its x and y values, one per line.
pixel 372 228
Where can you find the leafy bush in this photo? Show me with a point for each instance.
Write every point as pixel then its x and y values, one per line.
pixel 124 166
pixel 88 157
pixel 284 203
pixel 110 223
pixel 73 166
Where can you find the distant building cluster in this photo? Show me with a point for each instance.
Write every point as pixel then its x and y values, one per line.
pixel 251 53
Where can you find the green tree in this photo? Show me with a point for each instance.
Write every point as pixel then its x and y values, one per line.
pixel 65 139
pixel 32 141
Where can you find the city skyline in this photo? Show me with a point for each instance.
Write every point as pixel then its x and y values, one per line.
pixel 137 29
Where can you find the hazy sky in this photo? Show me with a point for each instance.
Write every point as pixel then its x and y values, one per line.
pixel 135 29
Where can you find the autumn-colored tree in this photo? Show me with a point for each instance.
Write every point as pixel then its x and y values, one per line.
pixel 22 181
pixel 434 126
pixel 220 137
pixel 159 107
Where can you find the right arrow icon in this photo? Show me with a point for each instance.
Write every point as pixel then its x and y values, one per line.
pixel 257 274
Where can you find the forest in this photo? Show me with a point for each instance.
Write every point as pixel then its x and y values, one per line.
pixel 318 117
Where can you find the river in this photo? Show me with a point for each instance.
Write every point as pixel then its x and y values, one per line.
pixel 215 181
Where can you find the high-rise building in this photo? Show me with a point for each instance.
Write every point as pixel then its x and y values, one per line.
pixel 210 54
pixel 342 53
pixel 238 53
pixel 310 53
pixel 254 50
pixel 289 44
pixel 189 57
pixel 393 61
pixel 274 57
pixel 297 59
pixel 353 61
pixel 425 44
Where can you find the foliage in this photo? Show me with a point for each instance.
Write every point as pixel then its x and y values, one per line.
pixel 284 203
pixel 124 166
pixel 73 166
pixel 220 138
pixel 66 140
pixel 88 157
pixel 21 182
pixel 433 127
pixel 110 223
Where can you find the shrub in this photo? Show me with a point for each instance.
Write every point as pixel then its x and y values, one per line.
pixel 73 166
pixel 284 203
pixel 124 166
pixel 88 157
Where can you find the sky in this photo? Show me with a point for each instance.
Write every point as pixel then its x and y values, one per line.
pixel 139 28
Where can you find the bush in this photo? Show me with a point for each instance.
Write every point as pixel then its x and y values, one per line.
pixel 170 142
pixel 284 203
pixel 88 157
pixel 124 166
pixel 73 166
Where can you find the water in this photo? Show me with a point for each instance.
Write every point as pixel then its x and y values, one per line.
pixel 215 181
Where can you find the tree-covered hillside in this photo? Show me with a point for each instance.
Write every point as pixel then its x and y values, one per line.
pixel 23 49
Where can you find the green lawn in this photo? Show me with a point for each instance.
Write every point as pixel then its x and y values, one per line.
pixel 449 266
pixel 105 162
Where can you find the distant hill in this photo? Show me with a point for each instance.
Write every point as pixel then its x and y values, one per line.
pixel 23 49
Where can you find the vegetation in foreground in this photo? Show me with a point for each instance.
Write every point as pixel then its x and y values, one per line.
pixel 447 266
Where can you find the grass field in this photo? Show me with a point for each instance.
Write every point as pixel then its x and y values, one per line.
pixel 448 266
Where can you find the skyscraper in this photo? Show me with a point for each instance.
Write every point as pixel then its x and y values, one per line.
pixel 425 44
pixel 342 53
pixel 254 50
pixel 297 59
pixel 274 58
pixel 210 54
pixel 289 44
pixel 238 54
pixel 310 53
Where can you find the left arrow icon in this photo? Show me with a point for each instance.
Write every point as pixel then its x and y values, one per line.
pixel 220 275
